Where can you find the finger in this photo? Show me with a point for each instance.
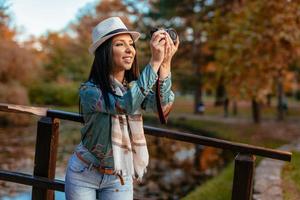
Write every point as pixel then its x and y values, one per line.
pixel 157 34
pixel 162 42
pixel 170 41
pixel 168 45
pixel 158 39
pixel 177 42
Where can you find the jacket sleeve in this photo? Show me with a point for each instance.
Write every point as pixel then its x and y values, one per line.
pixel 91 98
pixel 166 95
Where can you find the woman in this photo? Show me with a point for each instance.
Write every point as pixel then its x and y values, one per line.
pixel 113 148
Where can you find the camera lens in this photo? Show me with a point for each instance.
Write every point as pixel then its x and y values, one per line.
pixel 172 33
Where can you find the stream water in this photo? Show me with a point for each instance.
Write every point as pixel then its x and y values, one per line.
pixel 171 173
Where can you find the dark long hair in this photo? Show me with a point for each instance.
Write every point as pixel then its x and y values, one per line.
pixel 102 68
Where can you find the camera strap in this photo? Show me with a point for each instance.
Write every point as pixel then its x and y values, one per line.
pixel 161 115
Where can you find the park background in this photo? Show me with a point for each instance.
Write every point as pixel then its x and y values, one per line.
pixel 236 76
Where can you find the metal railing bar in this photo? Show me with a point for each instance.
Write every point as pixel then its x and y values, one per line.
pixel 28 179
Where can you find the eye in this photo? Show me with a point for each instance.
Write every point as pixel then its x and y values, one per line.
pixel 131 44
pixel 119 44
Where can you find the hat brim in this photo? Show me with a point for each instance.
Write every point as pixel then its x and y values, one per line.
pixel 135 36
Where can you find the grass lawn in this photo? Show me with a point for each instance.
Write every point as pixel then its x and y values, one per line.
pixel 291 178
pixel 218 188
pixel 249 133
pixel 184 104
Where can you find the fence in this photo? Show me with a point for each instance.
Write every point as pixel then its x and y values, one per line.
pixel 43 182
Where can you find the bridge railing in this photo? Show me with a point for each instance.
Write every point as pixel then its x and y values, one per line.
pixel 43 178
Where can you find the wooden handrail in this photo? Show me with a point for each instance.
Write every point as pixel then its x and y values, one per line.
pixel 176 135
pixel 192 138
pixel 223 144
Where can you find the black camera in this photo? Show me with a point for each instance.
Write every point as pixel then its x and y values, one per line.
pixel 172 33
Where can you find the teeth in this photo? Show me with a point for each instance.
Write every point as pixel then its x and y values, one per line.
pixel 127 59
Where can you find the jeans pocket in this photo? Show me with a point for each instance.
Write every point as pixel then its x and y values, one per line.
pixel 76 165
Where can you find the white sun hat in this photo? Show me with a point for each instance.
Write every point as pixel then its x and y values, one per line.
pixel 108 28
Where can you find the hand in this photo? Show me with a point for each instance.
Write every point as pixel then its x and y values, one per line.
pixel 157 45
pixel 170 50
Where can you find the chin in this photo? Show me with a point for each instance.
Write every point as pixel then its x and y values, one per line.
pixel 127 67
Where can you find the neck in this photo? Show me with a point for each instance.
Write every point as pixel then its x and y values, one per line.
pixel 119 75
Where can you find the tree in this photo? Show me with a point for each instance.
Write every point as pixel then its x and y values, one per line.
pixel 17 68
pixel 5 31
pixel 260 42
pixel 187 17
pixel 61 63
pixel 67 56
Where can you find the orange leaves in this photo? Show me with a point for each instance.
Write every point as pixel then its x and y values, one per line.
pixel 5 32
pixel 262 39
pixel 18 68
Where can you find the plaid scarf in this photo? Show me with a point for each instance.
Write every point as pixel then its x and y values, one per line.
pixel 129 146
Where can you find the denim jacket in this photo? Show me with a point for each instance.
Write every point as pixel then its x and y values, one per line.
pixel 96 144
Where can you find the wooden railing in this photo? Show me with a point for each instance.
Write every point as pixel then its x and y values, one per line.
pixel 43 179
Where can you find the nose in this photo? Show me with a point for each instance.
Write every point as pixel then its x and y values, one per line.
pixel 129 49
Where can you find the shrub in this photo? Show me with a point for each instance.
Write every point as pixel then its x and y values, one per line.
pixel 13 93
pixel 54 94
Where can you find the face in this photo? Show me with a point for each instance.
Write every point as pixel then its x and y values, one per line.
pixel 123 52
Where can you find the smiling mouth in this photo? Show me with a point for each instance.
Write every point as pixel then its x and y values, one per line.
pixel 127 59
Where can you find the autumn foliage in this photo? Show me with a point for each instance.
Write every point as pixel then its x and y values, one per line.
pixel 252 44
pixel 17 69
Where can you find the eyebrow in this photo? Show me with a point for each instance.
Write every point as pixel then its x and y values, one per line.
pixel 122 40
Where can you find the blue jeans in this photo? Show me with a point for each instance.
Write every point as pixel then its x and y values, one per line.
pixel 84 183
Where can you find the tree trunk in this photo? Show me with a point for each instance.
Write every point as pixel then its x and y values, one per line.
pixel 220 93
pixel 256 111
pixel 199 105
pixel 269 100
pixel 226 105
pixel 234 108
pixel 280 100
